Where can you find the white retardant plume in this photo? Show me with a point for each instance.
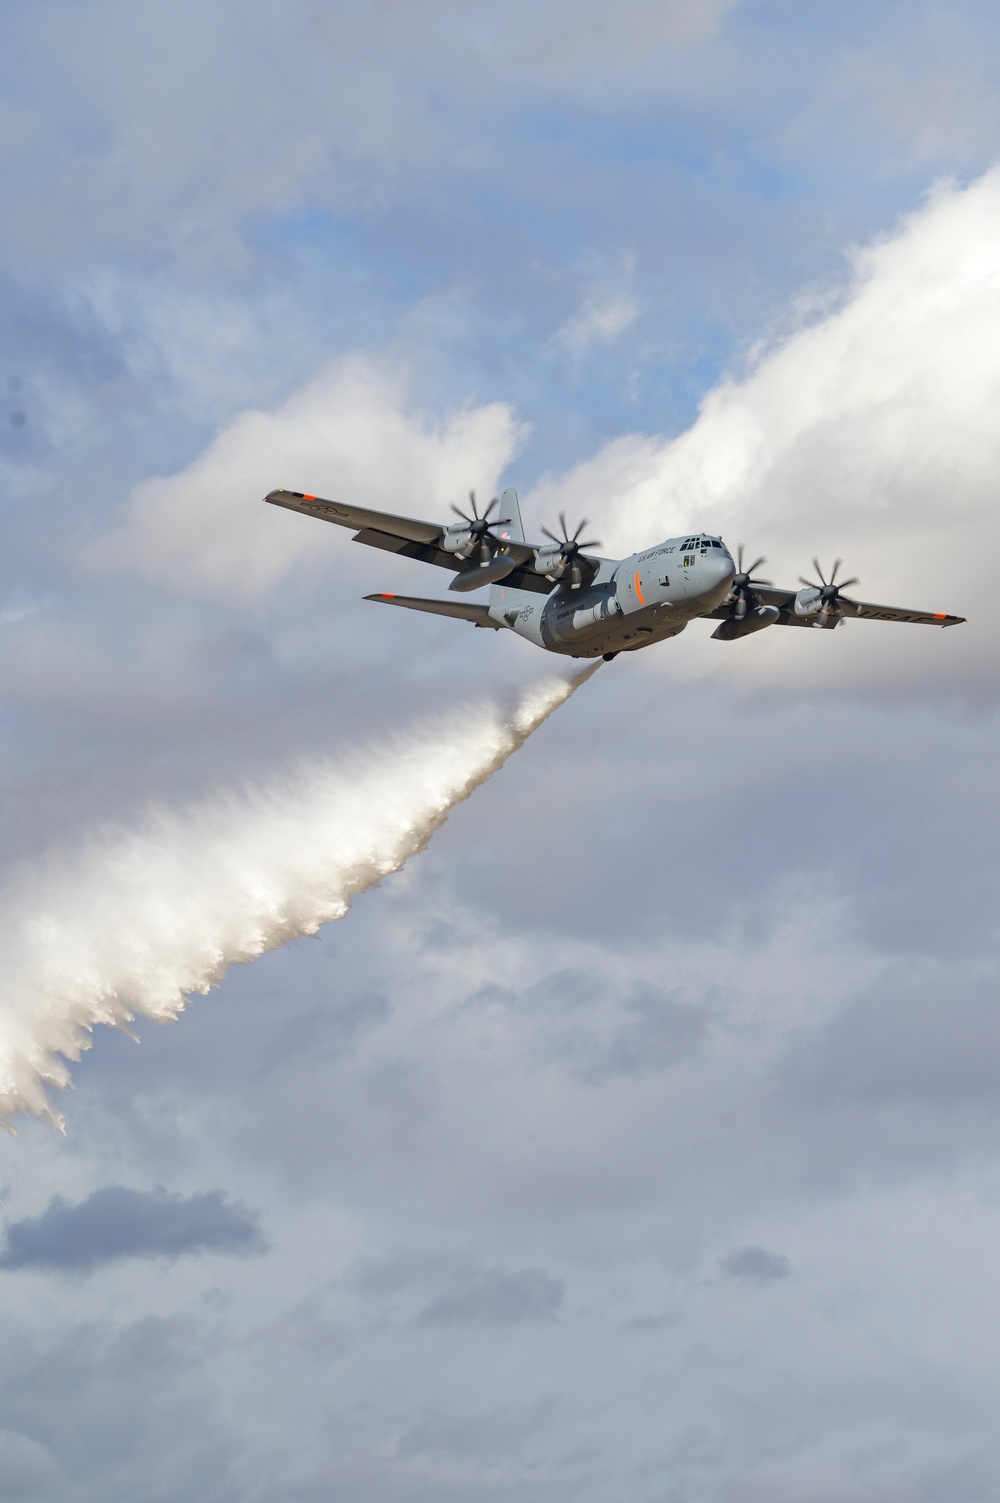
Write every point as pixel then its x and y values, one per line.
pixel 136 922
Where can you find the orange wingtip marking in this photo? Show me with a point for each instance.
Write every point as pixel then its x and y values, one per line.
pixel 307 498
pixel 638 591
pixel 940 615
pixel 387 596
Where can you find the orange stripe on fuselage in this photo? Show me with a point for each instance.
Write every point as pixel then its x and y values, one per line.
pixel 637 589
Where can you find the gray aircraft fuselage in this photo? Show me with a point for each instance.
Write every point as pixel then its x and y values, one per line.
pixel 630 602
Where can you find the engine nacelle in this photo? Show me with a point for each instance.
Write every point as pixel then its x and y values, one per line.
pixel 457 538
pixel 549 560
pixel 808 602
pixel 755 620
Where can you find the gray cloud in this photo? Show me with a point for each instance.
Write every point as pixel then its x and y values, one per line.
pixel 27 1470
pixel 931 1044
pixel 498 1297
pixel 755 1265
pixel 121 1223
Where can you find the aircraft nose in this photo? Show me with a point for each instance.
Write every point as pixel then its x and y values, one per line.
pixel 722 568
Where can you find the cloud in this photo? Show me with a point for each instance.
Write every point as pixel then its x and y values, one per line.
pixel 28 1471
pixel 349 433
pixel 559 38
pixel 117 1223
pixel 933 1043
pixel 123 106
pixel 755 1265
pixel 498 1297
pixel 868 432
pixel 601 319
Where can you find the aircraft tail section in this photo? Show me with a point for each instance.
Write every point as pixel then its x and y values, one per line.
pixel 479 615
pixel 509 524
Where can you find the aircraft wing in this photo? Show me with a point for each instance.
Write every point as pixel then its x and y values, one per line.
pixel 897 613
pixel 785 599
pixel 406 536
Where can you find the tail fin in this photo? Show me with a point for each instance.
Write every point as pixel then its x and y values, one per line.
pixel 509 524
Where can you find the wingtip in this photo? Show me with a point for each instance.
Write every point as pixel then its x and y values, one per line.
pixel 282 493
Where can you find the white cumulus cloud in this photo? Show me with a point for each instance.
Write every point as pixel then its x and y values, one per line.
pixel 871 432
pixel 600 320
pixel 350 433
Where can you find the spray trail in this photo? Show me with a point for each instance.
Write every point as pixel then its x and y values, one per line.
pixel 136 922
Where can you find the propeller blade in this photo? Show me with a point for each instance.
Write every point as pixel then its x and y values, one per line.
pixel 739 558
pixel 568 568
pixel 494 502
pixel 809 584
pixel 761 560
pixel 836 565
pixel 460 513
pixel 847 584
pixel 819 571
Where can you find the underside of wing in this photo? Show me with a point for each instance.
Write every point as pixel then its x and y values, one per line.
pixel 407 536
pixel 851 608
pixel 479 615
pixel 429 553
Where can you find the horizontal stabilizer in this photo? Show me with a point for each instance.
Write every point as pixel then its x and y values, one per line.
pixel 478 614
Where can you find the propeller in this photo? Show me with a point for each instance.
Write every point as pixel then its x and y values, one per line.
pixel 480 535
pixel 829 590
pixel 570 549
pixel 743 583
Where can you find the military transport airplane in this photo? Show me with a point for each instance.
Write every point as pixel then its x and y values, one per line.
pixel 566 599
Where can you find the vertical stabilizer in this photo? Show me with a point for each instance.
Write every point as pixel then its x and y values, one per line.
pixel 509 523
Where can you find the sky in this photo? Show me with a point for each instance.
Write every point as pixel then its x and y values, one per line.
pixel 512 1096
